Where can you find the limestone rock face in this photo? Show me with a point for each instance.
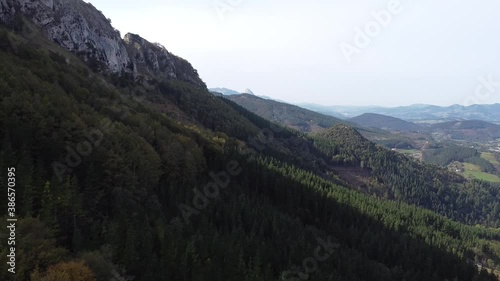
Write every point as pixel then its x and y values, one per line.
pixel 153 60
pixel 74 25
pixel 82 29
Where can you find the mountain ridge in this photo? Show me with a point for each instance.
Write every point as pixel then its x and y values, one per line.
pixel 82 29
pixel 222 195
pixel 285 114
pixel 384 122
pixel 417 112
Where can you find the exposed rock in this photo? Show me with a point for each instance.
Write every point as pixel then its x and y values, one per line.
pixel 74 25
pixel 152 59
pixel 248 91
pixel 82 29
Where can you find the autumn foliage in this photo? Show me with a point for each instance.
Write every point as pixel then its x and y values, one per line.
pixel 64 271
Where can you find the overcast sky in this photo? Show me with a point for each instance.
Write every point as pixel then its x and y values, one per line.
pixel 311 51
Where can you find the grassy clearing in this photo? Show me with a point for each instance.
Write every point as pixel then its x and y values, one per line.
pixel 474 171
pixel 490 157
pixel 407 151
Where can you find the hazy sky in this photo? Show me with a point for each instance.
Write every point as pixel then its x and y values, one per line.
pixel 312 51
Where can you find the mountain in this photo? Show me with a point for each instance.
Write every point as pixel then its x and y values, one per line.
pixel 248 92
pixel 373 120
pixel 360 163
pixel 343 112
pixel 143 175
pixel 418 112
pixel 229 92
pixel 307 121
pixel 224 91
pixel 465 125
pixel 471 130
pixel 486 112
pixel 114 187
pixel 83 30
pixel 285 114
pixel 385 173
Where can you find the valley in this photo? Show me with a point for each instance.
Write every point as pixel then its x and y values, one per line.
pixel 420 141
pixel 129 168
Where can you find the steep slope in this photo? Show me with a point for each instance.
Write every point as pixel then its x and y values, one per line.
pixel 74 25
pixel 154 61
pixel 156 199
pixel 373 120
pixel 307 121
pixel 472 130
pixel 108 174
pixel 383 173
pixel 395 176
pixel 286 114
pixel 83 30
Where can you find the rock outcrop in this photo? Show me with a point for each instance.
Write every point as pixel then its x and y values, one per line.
pixel 82 29
pixel 152 59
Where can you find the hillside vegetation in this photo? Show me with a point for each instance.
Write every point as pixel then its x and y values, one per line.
pixel 285 114
pixel 385 122
pixel 404 179
pixel 161 180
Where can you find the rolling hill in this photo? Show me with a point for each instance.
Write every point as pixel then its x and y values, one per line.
pixel 128 168
pixel 416 113
pixel 285 114
pixel 373 120
pixel 471 130
pixel 308 121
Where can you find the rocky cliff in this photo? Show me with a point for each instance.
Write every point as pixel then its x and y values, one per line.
pixel 80 28
pixel 152 59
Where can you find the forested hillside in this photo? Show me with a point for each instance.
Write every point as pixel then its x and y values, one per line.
pixel 161 180
pixel 307 121
pixel 472 130
pixel 286 114
pixel 385 122
pixel 395 176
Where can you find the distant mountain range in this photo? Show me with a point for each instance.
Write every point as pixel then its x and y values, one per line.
pixel 229 92
pixel 470 130
pixel 224 91
pixel 473 130
pixel 416 113
pixel 383 129
pixel 285 114
pixel 179 184
pixel 373 120
pixel 308 121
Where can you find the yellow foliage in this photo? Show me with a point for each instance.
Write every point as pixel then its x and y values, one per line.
pixel 65 271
